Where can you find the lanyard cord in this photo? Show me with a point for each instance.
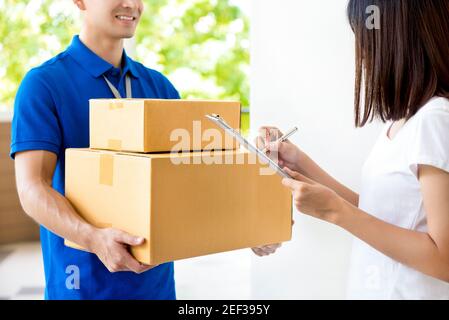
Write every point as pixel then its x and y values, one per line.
pixel 116 93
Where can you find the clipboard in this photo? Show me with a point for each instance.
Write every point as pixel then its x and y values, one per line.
pixel 247 145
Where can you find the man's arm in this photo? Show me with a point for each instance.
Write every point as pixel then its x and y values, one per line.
pixel 34 172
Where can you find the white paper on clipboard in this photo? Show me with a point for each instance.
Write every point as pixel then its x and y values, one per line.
pixel 247 145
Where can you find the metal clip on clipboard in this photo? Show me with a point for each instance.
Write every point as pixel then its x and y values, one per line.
pixel 246 144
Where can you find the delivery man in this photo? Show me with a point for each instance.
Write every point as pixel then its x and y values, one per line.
pixel 51 114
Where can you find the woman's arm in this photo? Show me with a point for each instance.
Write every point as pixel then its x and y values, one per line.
pixel 425 252
pixel 311 169
pixel 289 155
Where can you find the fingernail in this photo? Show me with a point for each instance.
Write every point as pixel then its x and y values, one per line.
pixel 139 240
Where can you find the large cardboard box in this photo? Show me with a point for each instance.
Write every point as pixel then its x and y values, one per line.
pixel 182 210
pixel 148 125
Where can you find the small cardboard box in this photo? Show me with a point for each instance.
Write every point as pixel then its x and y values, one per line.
pixel 149 125
pixel 184 205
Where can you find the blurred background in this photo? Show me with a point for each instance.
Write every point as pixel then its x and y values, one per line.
pixel 202 46
pixel 300 73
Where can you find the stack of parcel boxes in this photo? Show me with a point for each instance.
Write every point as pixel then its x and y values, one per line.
pixel 160 170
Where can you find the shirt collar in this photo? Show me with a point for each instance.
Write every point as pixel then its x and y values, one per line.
pixel 129 65
pixel 94 64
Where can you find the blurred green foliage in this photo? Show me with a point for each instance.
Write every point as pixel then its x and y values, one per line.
pixel 30 33
pixel 201 45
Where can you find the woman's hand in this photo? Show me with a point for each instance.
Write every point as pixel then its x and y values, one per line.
pixel 314 199
pixel 285 153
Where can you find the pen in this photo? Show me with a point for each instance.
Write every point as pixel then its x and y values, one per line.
pixel 246 144
pixel 284 137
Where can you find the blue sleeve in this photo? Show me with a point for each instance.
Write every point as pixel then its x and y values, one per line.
pixel 168 89
pixel 173 93
pixel 35 124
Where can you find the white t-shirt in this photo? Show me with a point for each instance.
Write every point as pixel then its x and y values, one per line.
pixel 391 192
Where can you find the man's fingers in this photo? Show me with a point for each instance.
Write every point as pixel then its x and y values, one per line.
pixel 269 249
pixel 147 267
pixel 266 250
pixel 127 262
pixel 132 264
pixel 128 239
pixel 273 246
pixel 261 252
pixel 258 252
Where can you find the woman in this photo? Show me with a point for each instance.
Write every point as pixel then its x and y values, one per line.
pixel 401 216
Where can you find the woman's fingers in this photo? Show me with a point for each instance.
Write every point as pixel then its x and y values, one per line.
pixel 260 143
pixel 271 129
pixel 292 184
pixel 274 146
pixel 298 177
pixel 270 133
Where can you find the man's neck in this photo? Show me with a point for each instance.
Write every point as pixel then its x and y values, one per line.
pixel 108 49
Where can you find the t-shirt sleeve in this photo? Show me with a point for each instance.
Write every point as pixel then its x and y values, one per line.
pixel 35 124
pixel 175 93
pixel 430 145
pixel 166 89
pixel 172 91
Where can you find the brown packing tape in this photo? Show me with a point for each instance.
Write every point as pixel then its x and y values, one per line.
pixel 115 105
pixel 106 177
pixel 106 169
pixel 114 144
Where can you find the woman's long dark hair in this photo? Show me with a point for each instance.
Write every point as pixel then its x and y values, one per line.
pixel 402 64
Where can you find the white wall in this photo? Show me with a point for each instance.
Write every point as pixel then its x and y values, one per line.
pixel 303 74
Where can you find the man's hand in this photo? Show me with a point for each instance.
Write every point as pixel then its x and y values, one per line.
pixel 266 250
pixel 112 248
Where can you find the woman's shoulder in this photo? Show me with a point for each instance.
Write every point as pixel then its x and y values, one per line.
pixel 428 134
pixel 435 105
pixel 434 115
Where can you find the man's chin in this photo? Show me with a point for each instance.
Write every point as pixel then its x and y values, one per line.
pixel 127 35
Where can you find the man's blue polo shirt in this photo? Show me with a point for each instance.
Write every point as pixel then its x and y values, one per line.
pixel 51 113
